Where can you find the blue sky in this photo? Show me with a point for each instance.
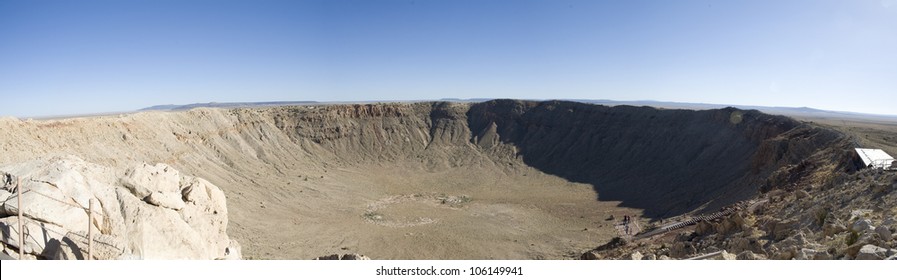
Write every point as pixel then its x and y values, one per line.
pixel 74 57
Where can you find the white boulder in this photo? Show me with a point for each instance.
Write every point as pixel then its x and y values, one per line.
pixel 146 212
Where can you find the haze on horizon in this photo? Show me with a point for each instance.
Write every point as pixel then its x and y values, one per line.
pixel 67 57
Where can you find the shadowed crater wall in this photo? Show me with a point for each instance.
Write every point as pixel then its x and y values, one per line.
pixel 667 162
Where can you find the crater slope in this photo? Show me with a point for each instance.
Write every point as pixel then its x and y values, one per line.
pixel 503 179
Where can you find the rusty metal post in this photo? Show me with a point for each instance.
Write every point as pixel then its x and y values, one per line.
pixel 90 231
pixel 21 232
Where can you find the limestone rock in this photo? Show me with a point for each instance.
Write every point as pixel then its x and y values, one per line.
pixel 139 214
pixel 872 252
pixel 636 256
pixel 233 251
pixel 4 195
pixel 168 200
pixel 664 258
pixel 33 246
pixel 145 179
pixel 61 202
pixel 54 242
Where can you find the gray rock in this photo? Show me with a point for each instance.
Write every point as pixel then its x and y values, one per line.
pixel 889 222
pixel 872 252
pixel 328 257
pixel 636 256
pixel 682 249
pixel 863 240
pixel 649 257
pixel 811 254
pixel 833 226
pixel 884 233
pixel 862 225
pixel 748 255
pixel 354 257
pixel 664 258
pixel 805 254
pixel 786 253
pixel 779 229
pixel 590 255
pixel 345 257
pixel 728 256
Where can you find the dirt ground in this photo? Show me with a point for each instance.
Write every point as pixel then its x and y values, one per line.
pixel 390 212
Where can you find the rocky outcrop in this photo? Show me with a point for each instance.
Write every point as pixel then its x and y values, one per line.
pixel 145 212
pixel 872 252
pixel 344 257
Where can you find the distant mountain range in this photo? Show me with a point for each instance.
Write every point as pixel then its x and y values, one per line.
pixel 788 111
pixel 172 107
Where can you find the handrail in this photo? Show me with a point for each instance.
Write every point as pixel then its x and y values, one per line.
pixel 90 218
pixel 696 220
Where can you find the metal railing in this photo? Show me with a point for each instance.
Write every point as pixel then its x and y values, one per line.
pixel 91 212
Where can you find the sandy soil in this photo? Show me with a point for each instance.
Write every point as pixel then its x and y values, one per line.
pixel 408 213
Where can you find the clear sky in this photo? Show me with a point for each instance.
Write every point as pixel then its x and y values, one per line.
pixel 73 57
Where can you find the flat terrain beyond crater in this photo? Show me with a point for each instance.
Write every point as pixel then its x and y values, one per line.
pixel 502 179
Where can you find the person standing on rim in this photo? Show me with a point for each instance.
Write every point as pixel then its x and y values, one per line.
pixel 626 223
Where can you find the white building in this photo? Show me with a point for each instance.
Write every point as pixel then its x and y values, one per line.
pixel 875 158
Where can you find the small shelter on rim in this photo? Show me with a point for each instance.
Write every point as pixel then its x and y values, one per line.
pixel 876 158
